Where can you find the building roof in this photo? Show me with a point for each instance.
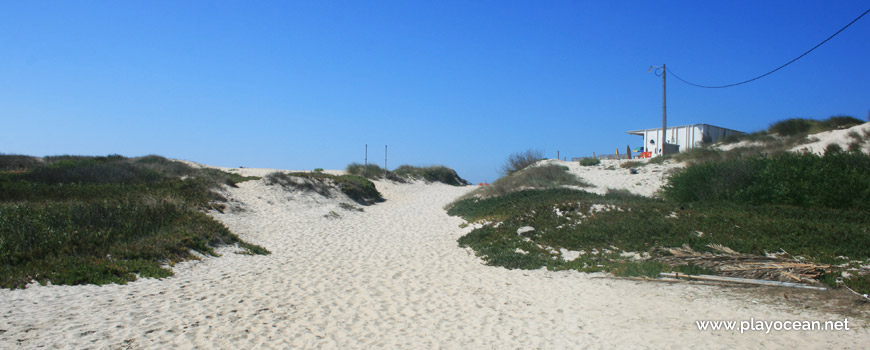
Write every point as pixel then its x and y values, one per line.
pixel 641 131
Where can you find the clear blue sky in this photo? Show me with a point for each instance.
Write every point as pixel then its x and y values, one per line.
pixel 300 85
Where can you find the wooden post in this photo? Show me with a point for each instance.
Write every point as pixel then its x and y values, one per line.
pixel 557 156
pixel 366 163
pixel 385 161
pixel 627 152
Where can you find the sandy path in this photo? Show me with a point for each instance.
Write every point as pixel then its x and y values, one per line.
pixel 390 277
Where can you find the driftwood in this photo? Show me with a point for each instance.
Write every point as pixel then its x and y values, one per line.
pixel 739 280
pixel 733 264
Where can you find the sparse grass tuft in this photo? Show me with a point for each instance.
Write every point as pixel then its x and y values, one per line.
pixel 632 164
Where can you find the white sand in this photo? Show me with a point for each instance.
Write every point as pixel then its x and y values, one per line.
pixel 388 278
pixel 839 137
pixel 609 175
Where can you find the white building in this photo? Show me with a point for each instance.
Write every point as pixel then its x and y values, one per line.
pixel 683 137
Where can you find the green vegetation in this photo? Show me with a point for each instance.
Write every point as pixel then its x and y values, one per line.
pixel 605 226
pixel 78 220
pixel 632 164
pixel 799 126
pixel 370 171
pixel 835 180
pixel 519 161
pixel 405 173
pixel 534 177
pixel 795 129
pixel 753 201
pixel 355 187
pixel 589 161
pixel 435 173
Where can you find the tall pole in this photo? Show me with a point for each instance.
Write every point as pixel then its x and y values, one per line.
pixel 366 164
pixel 385 162
pixel 663 141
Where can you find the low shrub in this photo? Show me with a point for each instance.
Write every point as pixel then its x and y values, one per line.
pixel 840 122
pixel 632 164
pixel 791 127
pixel 357 188
pixel 800 126
pixel 435 173
pixel 519 161
pixel 538 177
pixel 371 171
pixel 589 161
pixel 835 180
pixel 13 162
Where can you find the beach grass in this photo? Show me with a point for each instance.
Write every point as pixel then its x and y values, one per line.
pixel 79 219
pixel 357 188
pixel 434 173
pixel 406 173
pixel 532 177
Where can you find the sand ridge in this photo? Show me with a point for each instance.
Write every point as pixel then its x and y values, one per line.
pixel 389 277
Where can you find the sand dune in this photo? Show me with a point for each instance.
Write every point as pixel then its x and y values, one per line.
pixel 389 277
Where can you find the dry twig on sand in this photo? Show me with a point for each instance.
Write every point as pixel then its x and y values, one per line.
pixel 733 264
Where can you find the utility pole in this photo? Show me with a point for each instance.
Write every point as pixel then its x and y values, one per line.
pixel 664 109
pixel 662 141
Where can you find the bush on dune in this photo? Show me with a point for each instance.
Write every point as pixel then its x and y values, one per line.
pixel 519 161
pixel 435 173
pixel 533 177
pixel 835 180
pixel 800 126
pixel 357 188
pixel 76 219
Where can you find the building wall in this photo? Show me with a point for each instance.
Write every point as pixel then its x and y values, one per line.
pixel 686 136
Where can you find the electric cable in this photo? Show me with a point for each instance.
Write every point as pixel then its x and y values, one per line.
pixel 777 68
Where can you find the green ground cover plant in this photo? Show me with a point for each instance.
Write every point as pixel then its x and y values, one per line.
pixel 78 220
pixel 798 205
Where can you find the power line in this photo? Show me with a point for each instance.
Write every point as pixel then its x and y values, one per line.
pixel 777 68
